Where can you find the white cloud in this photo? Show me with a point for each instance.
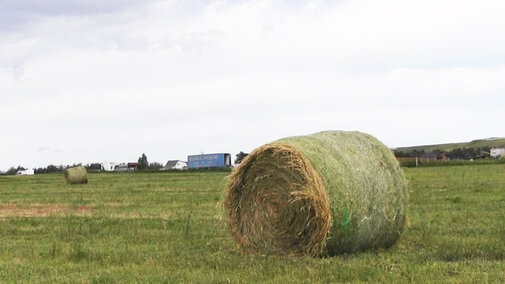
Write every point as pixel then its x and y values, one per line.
pixel 170 79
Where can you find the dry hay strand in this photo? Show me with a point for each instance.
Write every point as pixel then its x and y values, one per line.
pixel 76 175
pixel 324 194
pixel 42 210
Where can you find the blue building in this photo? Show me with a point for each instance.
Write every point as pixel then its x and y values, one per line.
pixel 217 160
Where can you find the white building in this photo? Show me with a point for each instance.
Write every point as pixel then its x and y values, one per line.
pixel 121 168
pixel 25 172
pixel 109 166
pixel 175 165
pixel 497 152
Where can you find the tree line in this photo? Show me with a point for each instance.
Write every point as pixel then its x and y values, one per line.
pixel 455 154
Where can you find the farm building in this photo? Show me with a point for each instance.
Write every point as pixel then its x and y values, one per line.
pixel 28 172
pixel 108 166
pixel 175 165
pixel 126 167
pixel 217 160
pixel 122 168
pixel 132 166
pixel 497 152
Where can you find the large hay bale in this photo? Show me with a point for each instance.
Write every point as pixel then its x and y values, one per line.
pixel 76 175
pixel 323 194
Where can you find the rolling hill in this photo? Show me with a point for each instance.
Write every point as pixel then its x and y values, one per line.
pixel 489 142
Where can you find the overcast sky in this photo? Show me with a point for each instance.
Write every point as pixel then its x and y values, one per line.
pixel 91 80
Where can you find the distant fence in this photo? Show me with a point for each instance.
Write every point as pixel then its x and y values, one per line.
pixel 426 162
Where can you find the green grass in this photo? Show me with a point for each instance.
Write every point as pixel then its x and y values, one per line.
pixel 168 227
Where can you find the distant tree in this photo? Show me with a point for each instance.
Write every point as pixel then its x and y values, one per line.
pixel 240 156
pixel 12 171
pixel 52 169
pixel 155 166
pixel 468 153
pixel 485 152
pixel 48 169
pixel 400 153
pixel 417 153
pixel 142 162
pixel 94 166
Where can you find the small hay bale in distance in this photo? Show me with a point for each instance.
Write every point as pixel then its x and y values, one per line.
pixel 76 175
pixel 323 194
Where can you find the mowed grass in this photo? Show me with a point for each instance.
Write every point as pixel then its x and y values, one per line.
pixel 169 227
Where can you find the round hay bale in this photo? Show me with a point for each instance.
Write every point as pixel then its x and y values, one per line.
pixel 327 193
pixel 76 175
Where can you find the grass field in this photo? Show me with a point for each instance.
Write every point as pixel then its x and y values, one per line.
pixel 168 227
